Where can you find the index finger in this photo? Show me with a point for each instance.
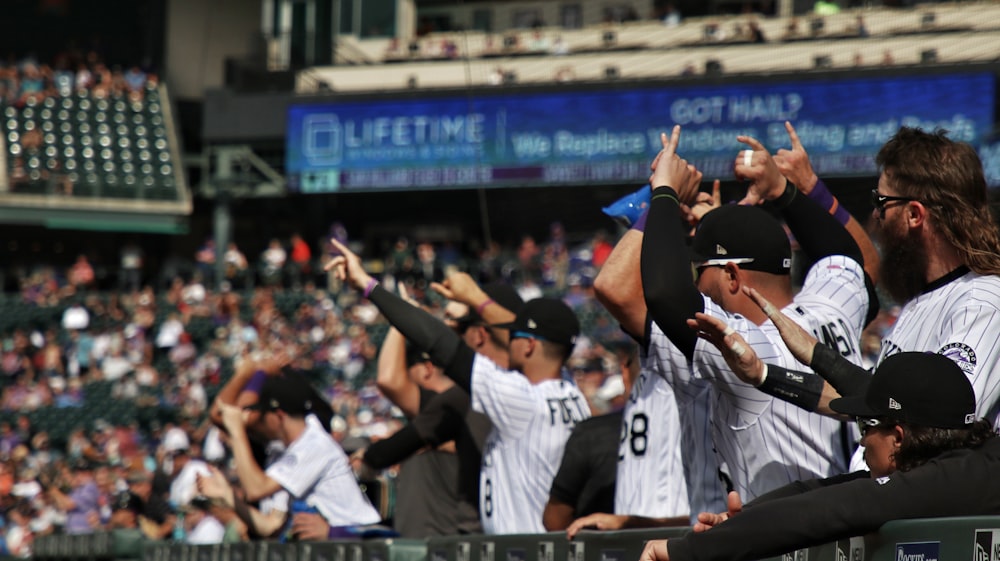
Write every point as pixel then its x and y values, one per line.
pixel 794 136
pixel 341 247
pixel 751 142
pixel 670 145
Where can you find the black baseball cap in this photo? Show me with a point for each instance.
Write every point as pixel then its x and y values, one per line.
pixel 745 235
pixel 503 294
pixel 416 356
pixel 924 389
pixel 291 393
pixel 549 319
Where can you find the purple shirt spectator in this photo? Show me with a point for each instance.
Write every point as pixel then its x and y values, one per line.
pixel 86 499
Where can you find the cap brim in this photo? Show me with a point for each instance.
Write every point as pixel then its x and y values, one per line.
pixel 853 406
pixel 508 325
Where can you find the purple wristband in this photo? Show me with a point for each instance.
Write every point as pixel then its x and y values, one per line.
pixel 256 382
pixel 825 199
pixel 371 286
pixel 640 223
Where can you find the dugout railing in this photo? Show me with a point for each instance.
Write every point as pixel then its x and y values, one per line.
pixel 973 538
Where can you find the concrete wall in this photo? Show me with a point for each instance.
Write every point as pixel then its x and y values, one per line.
pixel 201 34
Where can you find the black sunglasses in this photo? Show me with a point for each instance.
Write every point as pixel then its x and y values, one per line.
pixel 866 424
pixel 879 201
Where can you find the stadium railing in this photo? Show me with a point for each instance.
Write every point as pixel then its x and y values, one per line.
pixel 934 538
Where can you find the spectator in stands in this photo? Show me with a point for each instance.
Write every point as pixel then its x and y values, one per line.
pixel 887 58
pixel 155 517
pixel 135 81
pixel 671 15
pixel 859 26
pixel 205 259
pixel 81 274
pixel 538 42
pixel 80 501
pixel 756 33
pixel 313 469
pixel 131 267
pixel 559 47
pixel 273 263
pixel 301 259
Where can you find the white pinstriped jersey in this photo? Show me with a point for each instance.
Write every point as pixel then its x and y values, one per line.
pixel 693 397
pixel 531 423
pixel 766 442
pixel 650 480
pixel 960 320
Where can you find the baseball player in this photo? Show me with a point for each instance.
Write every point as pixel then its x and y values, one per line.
pixel 533 409
pixel 765 443
pixel 940 260
pixel 667 467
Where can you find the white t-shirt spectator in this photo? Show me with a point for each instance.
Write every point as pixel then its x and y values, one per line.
pixel 315 469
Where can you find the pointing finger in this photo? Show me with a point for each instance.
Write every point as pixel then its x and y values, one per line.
pixel 341 247
pixel 670 146
pixel 796 143
pixel 716 193
pixel 751 142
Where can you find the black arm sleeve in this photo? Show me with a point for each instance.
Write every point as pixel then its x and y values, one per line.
pixel 671 296
pixel 817 231
pixel 802 389
pixel 395 449
pixel 955 484
pixel 427 333
pixel 806 485
pixel 845 377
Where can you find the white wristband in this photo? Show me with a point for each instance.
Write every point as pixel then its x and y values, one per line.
pixel 763 377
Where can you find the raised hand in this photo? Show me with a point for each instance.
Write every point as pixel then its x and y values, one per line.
pixel 672 170
pixel 758 167
pixel 794 164
pixel 215 486
pixel 347 266
pixel 739 355
pixel 460 287
pixel 704 203
pixel 798 340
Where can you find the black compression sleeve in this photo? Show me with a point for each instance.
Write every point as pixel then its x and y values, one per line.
pixel 806 485
pixel 845 377
pixel 395 449
pixel 427 333
pixel 817 231
pixel 798 388
pixel 665 263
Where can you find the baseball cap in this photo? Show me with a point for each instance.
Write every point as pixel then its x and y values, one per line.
pixel 287 393
pixel 549 319
pixel 745 235
pixel 925 389
pixel 176 440
pixel 416 356
pixel 503 294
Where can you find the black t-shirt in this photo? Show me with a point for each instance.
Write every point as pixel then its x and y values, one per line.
pixel 586 476
pixel 449 416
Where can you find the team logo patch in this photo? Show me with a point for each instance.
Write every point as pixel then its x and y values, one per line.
pixel 987 547
pixel 893 404
pixel 719 250
pixel 882 480
pixel 962 354
pixel 532 324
